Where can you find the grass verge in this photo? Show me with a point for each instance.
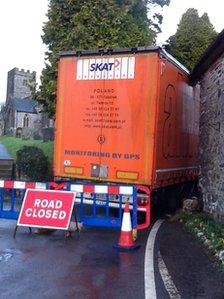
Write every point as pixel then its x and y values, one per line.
pixel 14 144
pixel 208 231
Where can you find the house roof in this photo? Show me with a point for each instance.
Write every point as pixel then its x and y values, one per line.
pixel 24 105
pixel 213 52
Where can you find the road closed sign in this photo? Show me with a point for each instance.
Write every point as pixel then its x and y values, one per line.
pixel 47 209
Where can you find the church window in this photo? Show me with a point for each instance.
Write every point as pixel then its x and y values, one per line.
pixel 25 82
pixel 26 121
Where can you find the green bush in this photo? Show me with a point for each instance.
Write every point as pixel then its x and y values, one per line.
pixel 32 164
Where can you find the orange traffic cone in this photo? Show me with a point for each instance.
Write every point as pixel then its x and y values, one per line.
pixel 126 241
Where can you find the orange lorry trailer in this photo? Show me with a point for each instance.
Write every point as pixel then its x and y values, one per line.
pixel 126 116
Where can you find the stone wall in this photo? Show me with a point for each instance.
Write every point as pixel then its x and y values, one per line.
pixel 211 150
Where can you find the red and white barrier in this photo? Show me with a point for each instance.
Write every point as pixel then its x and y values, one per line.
pixel 102 189
pixel 22 185
pixel 99 189
pixel 112 195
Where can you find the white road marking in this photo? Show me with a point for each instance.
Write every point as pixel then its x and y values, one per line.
pixel 150 286
pixel 168 282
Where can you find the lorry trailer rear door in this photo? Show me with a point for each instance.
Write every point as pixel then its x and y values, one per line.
pixel 105 117
pixel 126 116
pixel 77 152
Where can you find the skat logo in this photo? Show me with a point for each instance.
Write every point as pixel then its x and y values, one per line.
pixel 107 66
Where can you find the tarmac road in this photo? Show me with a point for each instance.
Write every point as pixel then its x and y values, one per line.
pixel 87 266
pixel 190 270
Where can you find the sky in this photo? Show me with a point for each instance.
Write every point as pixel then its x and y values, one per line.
pixel 21 23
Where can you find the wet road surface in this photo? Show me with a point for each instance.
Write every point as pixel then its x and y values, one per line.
pixel 87 266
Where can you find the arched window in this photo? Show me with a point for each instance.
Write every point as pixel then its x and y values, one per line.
pixel 26 121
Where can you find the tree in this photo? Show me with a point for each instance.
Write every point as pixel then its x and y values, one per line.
pixel 194 34
pixel 93 24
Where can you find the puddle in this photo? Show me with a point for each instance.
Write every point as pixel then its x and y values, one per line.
pixel 8 253
pixel 4 257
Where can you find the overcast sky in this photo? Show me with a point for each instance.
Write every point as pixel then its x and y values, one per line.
pixel 21 24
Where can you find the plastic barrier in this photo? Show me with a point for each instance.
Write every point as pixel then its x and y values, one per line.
pixel 100 205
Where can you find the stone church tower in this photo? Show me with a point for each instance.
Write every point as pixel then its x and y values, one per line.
pixel 19 84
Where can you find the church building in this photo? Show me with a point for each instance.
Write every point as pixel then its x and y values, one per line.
pixel 21 111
